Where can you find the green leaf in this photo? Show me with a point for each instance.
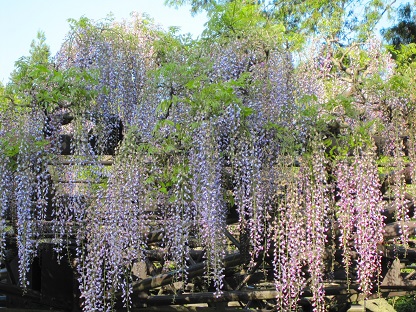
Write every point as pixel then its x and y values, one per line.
pixel 42 143
pixel 246 111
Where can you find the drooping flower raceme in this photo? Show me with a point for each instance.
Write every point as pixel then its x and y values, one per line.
pixel 316 194
pixel 208 200
pixel 289 241
pixel 360 215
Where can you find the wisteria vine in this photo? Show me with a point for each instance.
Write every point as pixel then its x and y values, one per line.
pixel 197 133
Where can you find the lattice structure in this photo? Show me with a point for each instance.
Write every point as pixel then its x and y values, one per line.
pixel 246 285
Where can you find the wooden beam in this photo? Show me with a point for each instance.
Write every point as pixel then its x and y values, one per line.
pixel 390 178
pixel 155 236
pixel 232 239
pixel 210 297
pixel 394 229
pixel 237 295
pixel 395 251
pixel 395 279
pixel 29 295
pixel 248 276
pixel 160 255
pixel 390 211
pixel 105 160
pixel 14 290
pixel 192 271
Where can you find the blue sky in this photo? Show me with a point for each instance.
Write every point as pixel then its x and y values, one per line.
pixel 20 20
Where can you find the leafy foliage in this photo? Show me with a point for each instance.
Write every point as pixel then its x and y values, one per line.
pixel 404 32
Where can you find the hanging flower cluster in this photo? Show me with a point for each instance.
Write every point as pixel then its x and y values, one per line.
pixel 289 239
pixel 181 217
pixel 300 229
pixel 397 132
pixel 208 201
pixel 360 216
pixel 6 179
pixel 25 188
pixel 316 191
pixel 122 59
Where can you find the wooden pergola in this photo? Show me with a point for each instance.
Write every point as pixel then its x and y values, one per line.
pixel 54 285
